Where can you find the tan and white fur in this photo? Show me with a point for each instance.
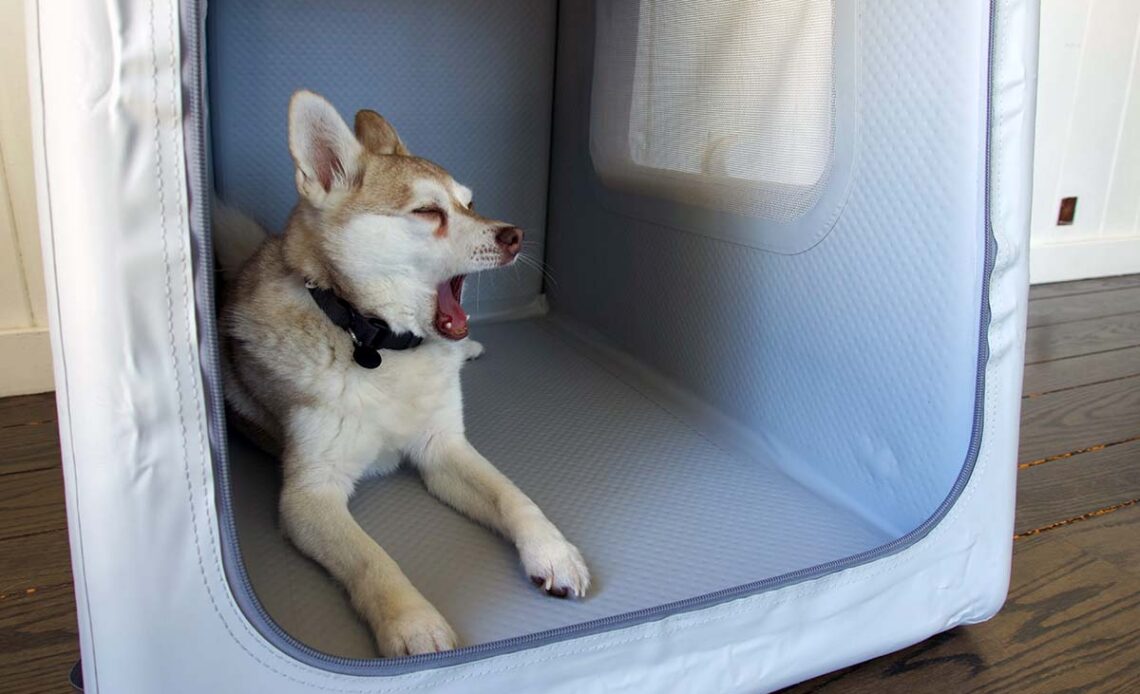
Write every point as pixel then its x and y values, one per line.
pixel 383 229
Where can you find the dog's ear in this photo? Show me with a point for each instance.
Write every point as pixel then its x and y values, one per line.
pixel 377 134
pixel 325 152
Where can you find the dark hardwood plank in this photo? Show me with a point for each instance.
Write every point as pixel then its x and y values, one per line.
pixel 32 562
pixel 1050 376
pixel 1069 487
pixel 1098 284
pixel 29 434
pixel 1079 418
pixel 1065 309
pixel 1114 537
pixel 24 409
pixel 1050 342
pixel 1071 624
pixel 31 502
pixel 38 640
pixel 29 447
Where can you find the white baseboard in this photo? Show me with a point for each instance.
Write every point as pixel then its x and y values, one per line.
pixel 25 361
pixel 1061 262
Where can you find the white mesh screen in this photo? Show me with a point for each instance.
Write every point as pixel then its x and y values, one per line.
pixel 727 104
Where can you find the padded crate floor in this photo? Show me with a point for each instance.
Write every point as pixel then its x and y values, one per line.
pixel 660 512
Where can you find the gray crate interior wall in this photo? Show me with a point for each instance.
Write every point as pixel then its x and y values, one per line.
pixel 850 367
pixel 466 84
pixel 854 361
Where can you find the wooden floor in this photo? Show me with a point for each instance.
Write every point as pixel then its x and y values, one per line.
pixel 1072 621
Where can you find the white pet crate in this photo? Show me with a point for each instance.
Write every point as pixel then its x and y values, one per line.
pixel 770 386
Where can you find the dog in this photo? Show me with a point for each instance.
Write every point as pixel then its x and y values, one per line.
pixel 379 243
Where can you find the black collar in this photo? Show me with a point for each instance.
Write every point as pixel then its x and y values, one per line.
pixel 369 334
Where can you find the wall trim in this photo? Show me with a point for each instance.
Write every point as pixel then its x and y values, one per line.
pixel 1078 260
pixel 25 361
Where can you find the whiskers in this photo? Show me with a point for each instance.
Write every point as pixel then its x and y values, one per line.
pixel 526 258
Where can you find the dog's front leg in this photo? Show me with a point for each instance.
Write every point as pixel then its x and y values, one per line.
pixel 460 476
pixel 314 513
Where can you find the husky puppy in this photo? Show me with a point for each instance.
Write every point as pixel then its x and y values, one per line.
pixel 343 339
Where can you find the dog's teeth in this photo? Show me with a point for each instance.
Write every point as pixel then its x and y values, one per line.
pixel 447 324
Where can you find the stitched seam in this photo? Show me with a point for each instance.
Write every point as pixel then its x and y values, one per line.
pixel 189 331
pixel 169 294
pixel 170 320
pixel 178 381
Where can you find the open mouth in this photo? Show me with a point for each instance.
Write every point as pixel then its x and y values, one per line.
pixel 450 319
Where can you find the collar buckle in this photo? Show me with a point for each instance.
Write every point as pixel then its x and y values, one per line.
pixel 346 317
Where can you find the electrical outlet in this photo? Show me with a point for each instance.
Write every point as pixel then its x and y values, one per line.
pixel 1067 212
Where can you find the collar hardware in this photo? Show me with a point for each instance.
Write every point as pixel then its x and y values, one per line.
pixel 369 334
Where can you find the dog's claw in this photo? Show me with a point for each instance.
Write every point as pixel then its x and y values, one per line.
pixel 547 585
pixel 415 631
pixel 554 565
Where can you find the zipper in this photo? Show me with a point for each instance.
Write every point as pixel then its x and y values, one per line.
pixel 235 568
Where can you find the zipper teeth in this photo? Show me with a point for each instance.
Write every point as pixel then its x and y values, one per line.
pixel 235 568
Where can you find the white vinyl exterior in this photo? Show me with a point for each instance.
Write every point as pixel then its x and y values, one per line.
pixel 156 613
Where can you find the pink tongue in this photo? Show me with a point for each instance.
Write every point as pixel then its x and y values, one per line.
pixel 450 320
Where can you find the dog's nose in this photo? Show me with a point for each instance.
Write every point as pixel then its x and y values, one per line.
pixel 510 240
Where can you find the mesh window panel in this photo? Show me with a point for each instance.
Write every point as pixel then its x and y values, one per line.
pixel 726 104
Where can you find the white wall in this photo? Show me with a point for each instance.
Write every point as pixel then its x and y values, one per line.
pixel 1088 140
pixel 25 353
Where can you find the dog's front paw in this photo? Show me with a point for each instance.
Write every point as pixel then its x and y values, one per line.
pixel 414 630
pixel 472 349
pixel 555 565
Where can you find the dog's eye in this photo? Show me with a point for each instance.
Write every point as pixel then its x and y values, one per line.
pixel 429 210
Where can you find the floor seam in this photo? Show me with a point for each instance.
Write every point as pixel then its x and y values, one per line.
pixel 1030 396
pixel 1104 511
pixel 1079 451
pixel 1083 354
pixel 1078 320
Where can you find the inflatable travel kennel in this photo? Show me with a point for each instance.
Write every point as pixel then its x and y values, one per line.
pixel 768 380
